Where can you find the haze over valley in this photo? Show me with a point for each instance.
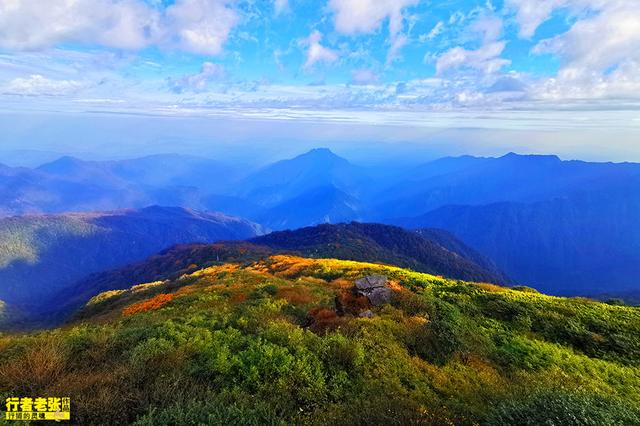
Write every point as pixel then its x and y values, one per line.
pixel 537 220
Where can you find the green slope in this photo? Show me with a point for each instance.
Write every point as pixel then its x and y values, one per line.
pixel 263 343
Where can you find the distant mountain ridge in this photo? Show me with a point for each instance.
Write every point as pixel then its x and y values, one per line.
pixel 510 178
pixel 385 244
pixel 41 255
pixel 70 184
pixel 321 187
pixel 587 244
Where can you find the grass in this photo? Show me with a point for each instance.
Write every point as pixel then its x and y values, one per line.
pixel 264 344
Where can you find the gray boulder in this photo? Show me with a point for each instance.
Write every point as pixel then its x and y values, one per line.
pixel 374 287
pixel 371 282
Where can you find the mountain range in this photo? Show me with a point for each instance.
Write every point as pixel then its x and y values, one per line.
pixel 548 223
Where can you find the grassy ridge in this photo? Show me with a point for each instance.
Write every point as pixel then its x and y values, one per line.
pixel 263 344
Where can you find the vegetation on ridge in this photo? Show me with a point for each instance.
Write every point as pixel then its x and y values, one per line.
pixel 262 343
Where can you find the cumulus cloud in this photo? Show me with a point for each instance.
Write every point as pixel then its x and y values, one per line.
pixel 531 13
pixel 316 52
pixel 197 26
pixel 365 16
pixel 199 82
pixel 201 26
pixel 599 42
pixel 599 54
pixel 485 59
pixel 38 85
pixel 28 24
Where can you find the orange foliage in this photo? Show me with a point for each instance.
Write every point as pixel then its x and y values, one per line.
pixel 350 303
pixel 188 289
pixel 395 286
pixel 287 266
pixel 295 295
pixel 325 319
pixel 238 298
pixel 148 305
pixel 342 283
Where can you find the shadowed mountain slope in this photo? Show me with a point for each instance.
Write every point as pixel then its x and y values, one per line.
pixel 586 244
pixel 288 179
pixel 385 244
pixel 41 255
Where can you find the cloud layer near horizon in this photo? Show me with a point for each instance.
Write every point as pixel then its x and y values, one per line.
pixel 382 61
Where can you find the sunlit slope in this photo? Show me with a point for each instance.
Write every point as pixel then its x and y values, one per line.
pixel 286 340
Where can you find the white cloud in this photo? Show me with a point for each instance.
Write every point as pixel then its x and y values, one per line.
pixel 435 32
pixel 597 43
pixel 198 26
pixel 364 77
pixel 365 16
pixel 198 82
pixel 485 59
pixel 37 85
pixel 280 6
pixel 202 26
pixel 532 13
pixel 317 52
pixel 29 24
pixel 397 43
pixel 599 54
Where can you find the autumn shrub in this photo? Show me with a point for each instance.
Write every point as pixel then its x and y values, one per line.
pixel 270 289
pixel 340 352
pixel 152 304
pixel 525 289
pixel 40 363
pixel 440 338
pixel 414 304
pixel 324 319
pixel 149 353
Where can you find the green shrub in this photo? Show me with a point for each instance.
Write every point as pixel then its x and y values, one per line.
pixel 522 353
pixel 214 411
pixel 561 408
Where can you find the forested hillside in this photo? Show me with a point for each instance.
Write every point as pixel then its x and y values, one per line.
pixel 42 255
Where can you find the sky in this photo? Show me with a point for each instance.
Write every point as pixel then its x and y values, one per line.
pixel 461 76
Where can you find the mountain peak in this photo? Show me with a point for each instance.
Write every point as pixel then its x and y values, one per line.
pixel 64 164
pixel 324 153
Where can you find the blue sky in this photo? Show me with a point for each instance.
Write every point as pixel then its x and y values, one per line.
pixel 567 66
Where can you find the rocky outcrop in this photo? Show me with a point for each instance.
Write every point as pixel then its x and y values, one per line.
pixel 367 292
pixel 374 288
